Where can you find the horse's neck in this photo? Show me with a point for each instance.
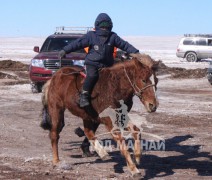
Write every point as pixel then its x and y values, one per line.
pixel 113 85
pixel 124 74
pixel 128 66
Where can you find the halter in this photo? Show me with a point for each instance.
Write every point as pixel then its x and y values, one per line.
pixel 137 90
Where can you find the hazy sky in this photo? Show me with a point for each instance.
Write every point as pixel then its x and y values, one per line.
pixel 130 17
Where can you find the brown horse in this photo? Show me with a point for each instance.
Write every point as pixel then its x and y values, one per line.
pixel 119 82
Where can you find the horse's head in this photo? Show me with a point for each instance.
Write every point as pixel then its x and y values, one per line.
pixel 146 82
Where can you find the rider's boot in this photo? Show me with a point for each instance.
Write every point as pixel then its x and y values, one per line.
pixel 85 102
pixel 84 99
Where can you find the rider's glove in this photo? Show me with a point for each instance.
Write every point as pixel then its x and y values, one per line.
pixel 61 54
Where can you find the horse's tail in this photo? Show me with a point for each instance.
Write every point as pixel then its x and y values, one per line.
pixel 46 122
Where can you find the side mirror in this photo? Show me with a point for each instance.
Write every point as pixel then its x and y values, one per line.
pixel 36 49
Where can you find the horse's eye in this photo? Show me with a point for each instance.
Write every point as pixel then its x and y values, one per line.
pixel 144 81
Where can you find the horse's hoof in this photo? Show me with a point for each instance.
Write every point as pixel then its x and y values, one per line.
pixel 89 154
pixel 137 160
pixel 137 175
pixel 79 132
pixel 64 166
pixel 55 162
pixel 86 151
pixel 105 157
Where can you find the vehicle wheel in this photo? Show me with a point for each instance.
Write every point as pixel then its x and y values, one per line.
pixel 36 87
pixel 191 57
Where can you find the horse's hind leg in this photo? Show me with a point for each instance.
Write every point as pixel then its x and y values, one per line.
pixel 57 117
pixel 89 132
pixel 86 144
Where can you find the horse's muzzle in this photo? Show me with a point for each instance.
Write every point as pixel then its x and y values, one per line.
pixel 151 107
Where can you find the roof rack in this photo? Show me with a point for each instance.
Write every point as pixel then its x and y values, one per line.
pixel 72 30
pixel 198 35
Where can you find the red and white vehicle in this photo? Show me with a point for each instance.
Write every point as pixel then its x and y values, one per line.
pixel 46 62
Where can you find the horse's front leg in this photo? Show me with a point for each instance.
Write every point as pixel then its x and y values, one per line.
pixel 117 136
pixel 57 118
pixel 124 151
pixel 89 131
pixel 137 146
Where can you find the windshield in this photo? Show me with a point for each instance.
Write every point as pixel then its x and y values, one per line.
pixel 56 44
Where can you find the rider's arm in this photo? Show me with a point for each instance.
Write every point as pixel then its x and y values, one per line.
pixel 78 44
pixel 124 45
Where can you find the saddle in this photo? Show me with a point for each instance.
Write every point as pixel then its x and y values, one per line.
pixel 83 73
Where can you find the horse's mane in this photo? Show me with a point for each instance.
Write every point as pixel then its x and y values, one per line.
pixel 119 65
pixel 144 59
pixel 130 65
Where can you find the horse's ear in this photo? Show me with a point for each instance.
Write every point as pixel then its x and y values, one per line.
pixel 155 65
pixel 144 59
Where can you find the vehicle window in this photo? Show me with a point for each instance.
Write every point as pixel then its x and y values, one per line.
pixel 202 42
pixel 189 42
pixel 209 42
pixel 56 44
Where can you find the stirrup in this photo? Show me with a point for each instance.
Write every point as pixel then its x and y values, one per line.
pixel 84 100
pixel 84 104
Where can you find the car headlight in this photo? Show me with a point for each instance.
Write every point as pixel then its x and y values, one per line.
pixel 79 62
pixel 37 63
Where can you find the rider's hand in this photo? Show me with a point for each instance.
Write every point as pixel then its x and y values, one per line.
pixel 61 54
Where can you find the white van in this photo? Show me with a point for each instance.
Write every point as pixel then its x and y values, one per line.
pixel 195 47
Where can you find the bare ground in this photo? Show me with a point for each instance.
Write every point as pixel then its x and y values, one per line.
pixel 183 119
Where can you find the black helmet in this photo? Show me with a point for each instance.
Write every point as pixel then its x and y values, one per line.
pixel 103 20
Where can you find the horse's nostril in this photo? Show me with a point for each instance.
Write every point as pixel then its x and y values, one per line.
pixel 152 107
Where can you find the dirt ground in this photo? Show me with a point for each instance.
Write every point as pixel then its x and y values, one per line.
pixel 183 119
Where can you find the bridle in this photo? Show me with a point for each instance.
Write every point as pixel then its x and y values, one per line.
pixel 137 90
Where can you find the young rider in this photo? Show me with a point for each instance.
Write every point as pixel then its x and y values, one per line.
pixel 101 43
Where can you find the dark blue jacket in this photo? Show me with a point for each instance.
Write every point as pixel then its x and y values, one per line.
pixel 101 43
pixel 100 51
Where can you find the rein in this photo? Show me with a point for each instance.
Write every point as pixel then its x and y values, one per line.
pixel 137 90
